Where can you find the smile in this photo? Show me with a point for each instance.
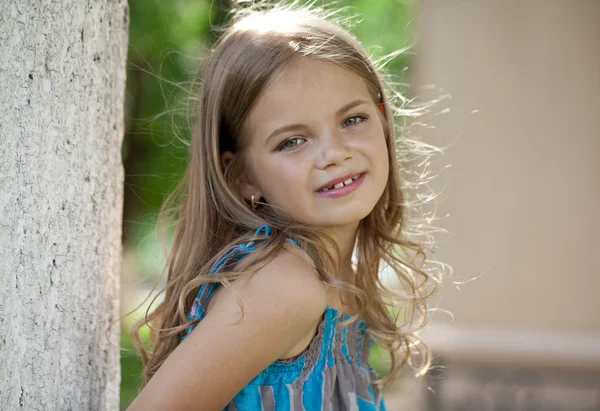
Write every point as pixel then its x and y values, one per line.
pixel 342 188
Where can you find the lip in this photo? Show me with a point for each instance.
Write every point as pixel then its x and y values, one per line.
pixel 339 180
pixel 342 191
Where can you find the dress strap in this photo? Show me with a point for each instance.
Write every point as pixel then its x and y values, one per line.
pixel 234 253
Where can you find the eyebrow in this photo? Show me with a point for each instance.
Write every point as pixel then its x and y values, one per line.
pixel 338 112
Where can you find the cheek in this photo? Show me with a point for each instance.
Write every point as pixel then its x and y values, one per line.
pixel 377 152
pixel 376 149
pixel 283 183
pixel 383 154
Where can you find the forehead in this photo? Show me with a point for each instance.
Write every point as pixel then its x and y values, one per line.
pixel 305 90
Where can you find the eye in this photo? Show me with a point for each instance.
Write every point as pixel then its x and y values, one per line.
pixel 354 120
pixel 291 143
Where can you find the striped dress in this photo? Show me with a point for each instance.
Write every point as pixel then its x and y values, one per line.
pixel 331 374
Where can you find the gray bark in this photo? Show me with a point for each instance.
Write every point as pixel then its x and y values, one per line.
pixel 62 84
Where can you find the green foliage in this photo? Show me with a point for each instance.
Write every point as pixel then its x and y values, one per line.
pixel 379 360
pixel 166 40
pixel 386 27
pixel 131 369
pixel 131 365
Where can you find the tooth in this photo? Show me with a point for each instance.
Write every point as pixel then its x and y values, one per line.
pixel 338 185
pixel 355 177
pixel 325 189
pixel 348 181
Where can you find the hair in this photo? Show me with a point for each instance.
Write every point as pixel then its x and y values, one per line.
pixel 210 216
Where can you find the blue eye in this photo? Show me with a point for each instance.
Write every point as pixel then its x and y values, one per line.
pixel 291 143
pixel 354 120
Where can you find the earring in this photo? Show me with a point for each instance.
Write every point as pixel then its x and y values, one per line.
pixel 252 202
pixel 382 108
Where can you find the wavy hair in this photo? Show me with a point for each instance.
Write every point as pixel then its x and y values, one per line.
pixel 210 216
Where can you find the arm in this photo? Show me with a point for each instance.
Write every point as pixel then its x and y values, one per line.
pixel 282 302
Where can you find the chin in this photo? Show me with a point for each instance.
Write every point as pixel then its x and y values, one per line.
pixel 343 218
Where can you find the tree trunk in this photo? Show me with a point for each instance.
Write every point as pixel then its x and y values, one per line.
pixel 62 79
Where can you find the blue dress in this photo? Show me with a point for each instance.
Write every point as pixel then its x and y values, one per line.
pixel 331 374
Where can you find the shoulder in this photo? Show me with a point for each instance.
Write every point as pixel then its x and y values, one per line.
pixel 288 283
pixel 282 301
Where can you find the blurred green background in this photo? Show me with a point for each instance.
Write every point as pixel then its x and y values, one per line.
pixel 166 43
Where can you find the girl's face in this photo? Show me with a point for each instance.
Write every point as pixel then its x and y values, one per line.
pixel 313 129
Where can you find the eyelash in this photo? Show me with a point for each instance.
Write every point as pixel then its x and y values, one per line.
pixel 282 147
pixel 363 118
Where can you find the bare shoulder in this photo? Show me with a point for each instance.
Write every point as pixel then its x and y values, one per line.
pixel 282 302
pixel 288 283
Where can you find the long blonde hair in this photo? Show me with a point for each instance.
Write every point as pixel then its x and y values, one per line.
pixel 210 216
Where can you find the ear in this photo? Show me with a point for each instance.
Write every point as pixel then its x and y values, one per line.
pixel 226 158
pixel 247 188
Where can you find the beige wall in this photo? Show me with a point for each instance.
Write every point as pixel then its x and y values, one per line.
pixel 523 190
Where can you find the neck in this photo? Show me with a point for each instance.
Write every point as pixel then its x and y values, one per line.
pixel 345 237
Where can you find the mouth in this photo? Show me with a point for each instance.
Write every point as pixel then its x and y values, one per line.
pixel 341 186
pixel 346 181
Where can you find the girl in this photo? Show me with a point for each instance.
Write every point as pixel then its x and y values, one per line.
pixel 293 169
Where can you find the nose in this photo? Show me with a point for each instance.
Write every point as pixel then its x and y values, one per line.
pixel 333 151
